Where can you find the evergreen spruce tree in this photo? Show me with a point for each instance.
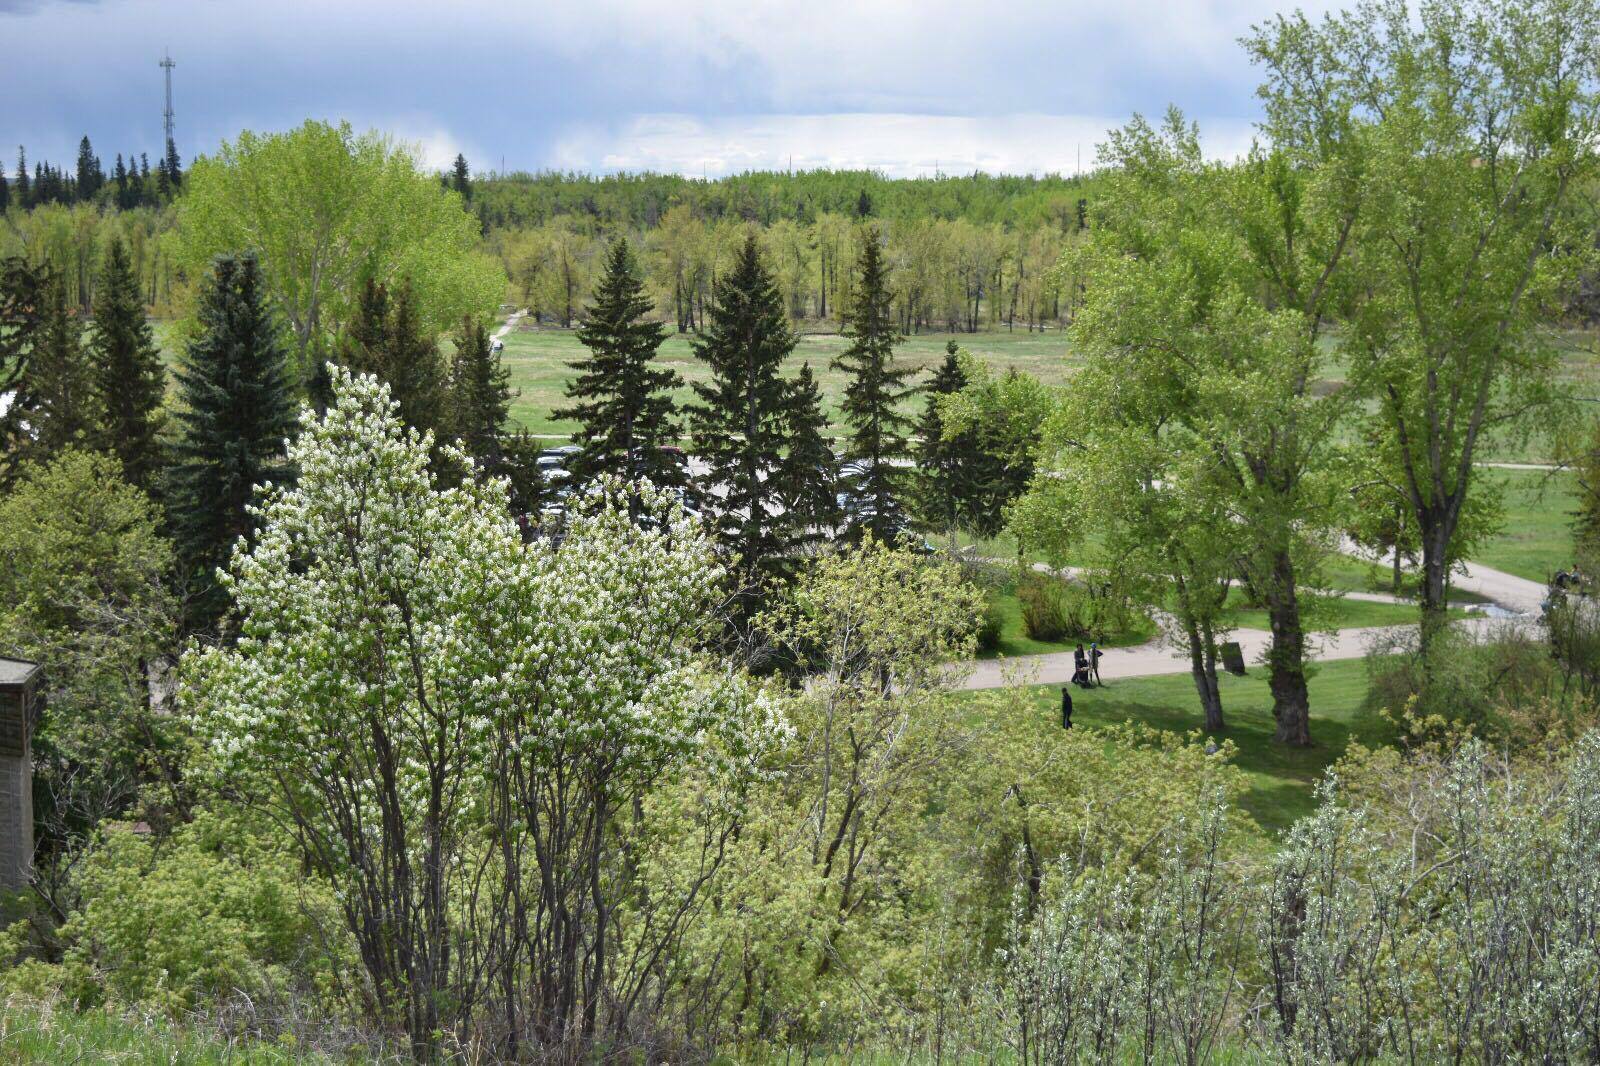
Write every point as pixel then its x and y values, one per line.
pixel 872 400
pixel 5 193
pixel 362 349
pixel 22 303
pixel 741 424
pixel 945 467
pixel 386 340
pixel 622 400
pixel 809 480
pixel 413 366
pixel 90 176
pixel 65 410
pixel 237 410
pixel 480 395
pixel 24 194
pixel 172 166
pixel 461 178
pixel 129 380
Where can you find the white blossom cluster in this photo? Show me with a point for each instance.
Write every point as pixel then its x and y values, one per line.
pixel 385 614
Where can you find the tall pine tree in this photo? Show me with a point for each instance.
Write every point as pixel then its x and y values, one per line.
pixel 741 424
pixel 129 380
pixel 90 176
pixel 461 178
pixel 622 400
pixel 237 410
pixel 480 395
pixel 24 194
pixel 872 401
pixel 946 471
pixel 172 167
pixel 22 306
pixel 809 482
pixel 388 341
pixel 65 409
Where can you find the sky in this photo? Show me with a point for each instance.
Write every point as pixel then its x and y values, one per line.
pixel 689 86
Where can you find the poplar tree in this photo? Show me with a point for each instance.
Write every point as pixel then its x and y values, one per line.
pixel 741 425
pixel 129 380
pixel 622 401
pixel 872 399
pixel 236 415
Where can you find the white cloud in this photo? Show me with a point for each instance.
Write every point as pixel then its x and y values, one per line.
pixel 898 144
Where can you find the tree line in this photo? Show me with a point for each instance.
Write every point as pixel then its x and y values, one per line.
pixel 638 201
pixel 129 183
pixel 951 275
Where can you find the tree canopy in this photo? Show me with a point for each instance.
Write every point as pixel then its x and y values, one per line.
pixel 328 210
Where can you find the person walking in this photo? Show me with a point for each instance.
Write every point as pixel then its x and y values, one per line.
pixel 1066 707
pixel 1094 662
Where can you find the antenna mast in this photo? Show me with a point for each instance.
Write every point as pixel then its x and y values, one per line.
pixel 166 65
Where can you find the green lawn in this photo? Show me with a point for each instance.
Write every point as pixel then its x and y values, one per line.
pixel 1536 538
pixel 539 357
pixel 1280 778
pixel 1344 573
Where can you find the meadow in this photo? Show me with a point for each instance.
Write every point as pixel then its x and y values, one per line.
pixel 539 361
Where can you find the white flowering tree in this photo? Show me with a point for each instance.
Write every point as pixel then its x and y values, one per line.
pixel 454 724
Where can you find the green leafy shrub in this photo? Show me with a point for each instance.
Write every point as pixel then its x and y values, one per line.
pixel 989 627
pixel 1053 610
pixel 212 910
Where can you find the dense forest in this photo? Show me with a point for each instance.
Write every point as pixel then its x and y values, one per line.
pixel 970 252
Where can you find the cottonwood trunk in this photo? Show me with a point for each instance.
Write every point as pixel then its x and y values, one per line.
pixel 1435 580
pixel 1203 667
pixel 1286 661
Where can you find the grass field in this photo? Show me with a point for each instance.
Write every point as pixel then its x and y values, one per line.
pixel 1280 778
pixel 539 358
pixel 1536 538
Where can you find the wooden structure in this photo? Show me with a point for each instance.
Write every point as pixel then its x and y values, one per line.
pixel 19 707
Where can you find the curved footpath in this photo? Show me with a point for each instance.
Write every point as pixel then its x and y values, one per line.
pixel 1514 594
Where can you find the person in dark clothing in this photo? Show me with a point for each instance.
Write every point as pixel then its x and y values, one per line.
pixel 1080 667
pixel 1066 707
pixel 1094 662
